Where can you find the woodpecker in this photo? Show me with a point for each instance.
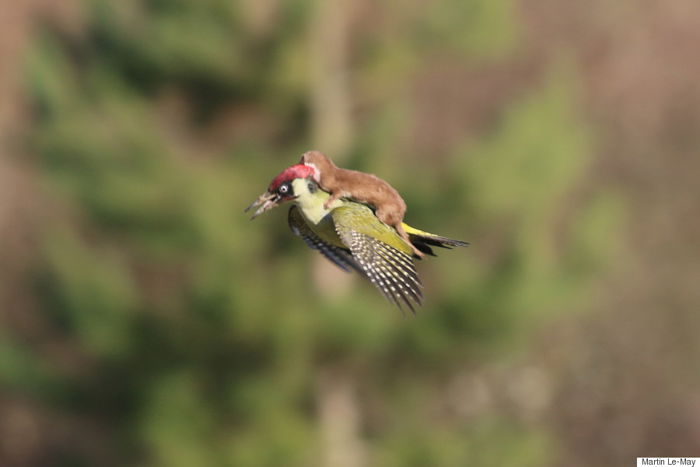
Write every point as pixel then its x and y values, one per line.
pixel 389 207
pixel 351 236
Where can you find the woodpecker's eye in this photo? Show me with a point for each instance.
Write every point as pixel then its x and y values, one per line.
pixel 312 187
pixel 284 189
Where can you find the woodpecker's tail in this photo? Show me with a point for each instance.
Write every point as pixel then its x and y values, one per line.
pixel 424 240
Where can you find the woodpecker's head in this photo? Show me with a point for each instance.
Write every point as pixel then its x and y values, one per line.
pixel 280 189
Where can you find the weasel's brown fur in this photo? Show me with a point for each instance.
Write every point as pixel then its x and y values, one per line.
pixel 389 207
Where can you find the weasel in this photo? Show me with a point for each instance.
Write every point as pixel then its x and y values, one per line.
pixel 389 207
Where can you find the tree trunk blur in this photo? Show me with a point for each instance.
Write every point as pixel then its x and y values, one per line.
pixel 331 129
pixel 339 420
pixel 331 125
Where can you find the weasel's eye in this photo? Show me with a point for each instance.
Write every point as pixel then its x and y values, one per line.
pixel 283 189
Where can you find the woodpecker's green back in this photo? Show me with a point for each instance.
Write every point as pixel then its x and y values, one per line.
pixel 351 236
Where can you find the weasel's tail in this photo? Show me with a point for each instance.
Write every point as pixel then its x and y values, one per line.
pixel 424 240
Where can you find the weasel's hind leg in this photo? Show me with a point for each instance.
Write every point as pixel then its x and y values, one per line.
pixel 404 235
pixel 393 216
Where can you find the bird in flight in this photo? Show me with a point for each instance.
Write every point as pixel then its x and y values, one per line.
pixel 350 234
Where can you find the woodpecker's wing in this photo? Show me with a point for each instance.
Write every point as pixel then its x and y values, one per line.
pixel 384 257
pixel 338 256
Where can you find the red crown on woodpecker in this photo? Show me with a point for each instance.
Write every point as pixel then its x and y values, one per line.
pixel 290 173
pixel 271 197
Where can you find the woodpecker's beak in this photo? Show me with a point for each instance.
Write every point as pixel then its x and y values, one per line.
pixel 266 201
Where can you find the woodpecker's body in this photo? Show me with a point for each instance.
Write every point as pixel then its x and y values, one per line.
pixel 389 207
pixel 351 236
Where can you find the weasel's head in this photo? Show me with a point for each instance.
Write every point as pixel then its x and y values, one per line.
pixel 318 162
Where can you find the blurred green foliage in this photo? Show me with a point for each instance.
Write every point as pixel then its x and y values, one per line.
pixel 204 331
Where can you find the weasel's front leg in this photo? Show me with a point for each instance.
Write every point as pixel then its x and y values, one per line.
pixel 335 196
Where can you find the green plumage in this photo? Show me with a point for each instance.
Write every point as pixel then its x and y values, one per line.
pixel 352 237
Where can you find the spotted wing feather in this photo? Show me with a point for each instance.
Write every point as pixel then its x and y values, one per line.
pixel 390 270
